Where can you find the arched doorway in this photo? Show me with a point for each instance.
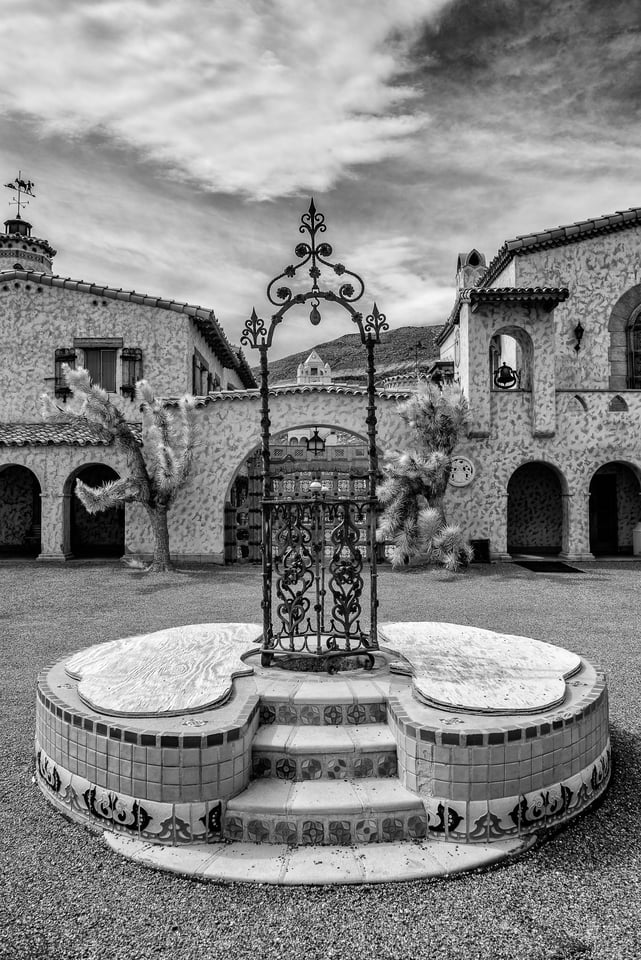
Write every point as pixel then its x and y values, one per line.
pixel 95 534
pixel 19 512
pixel 534 510
pixel 336 457
pixel 615 509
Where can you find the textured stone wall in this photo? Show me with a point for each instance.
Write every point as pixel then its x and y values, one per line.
pixel 228 432
pixel 588 436
pixel 196 341
pixel 598 272
pixel 36 320
pixel 533 327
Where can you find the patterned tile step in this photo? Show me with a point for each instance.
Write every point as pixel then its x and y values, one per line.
pixel 283 864
pixel 311 753
pixel 325 811
pixel 328 712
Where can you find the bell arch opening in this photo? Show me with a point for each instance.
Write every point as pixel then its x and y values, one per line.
pixel 511 358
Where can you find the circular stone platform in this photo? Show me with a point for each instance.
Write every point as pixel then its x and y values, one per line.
pixel 455 751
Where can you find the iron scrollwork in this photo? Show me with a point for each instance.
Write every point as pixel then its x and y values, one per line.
pixel 312 548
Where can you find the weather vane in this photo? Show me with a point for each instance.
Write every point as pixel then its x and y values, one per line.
pixel 20 187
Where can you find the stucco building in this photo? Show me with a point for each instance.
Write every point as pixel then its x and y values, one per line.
pixel 120 336
pixel 545 340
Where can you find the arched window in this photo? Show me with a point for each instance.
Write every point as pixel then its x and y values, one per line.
pixel 634 350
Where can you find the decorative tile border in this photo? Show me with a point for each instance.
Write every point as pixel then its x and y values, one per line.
pixel 374 827
pixel 88 803
pixel 283 766
pixel 314 714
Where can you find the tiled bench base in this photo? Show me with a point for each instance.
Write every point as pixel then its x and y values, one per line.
pixel 302 759
pixel 433 818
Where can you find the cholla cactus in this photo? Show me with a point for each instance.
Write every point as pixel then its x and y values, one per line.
pixel 412 493
pixel 158 467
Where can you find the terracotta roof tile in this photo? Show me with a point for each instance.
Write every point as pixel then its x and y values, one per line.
pixel 572 233
pixel 78 434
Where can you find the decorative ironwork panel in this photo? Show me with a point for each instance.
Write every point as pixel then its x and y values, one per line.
pixel 317 553
pixel 314 549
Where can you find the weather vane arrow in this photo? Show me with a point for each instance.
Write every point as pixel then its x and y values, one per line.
pixel 20 186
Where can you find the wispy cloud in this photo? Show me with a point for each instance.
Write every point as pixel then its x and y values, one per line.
pixel 422 127
pixel 241 96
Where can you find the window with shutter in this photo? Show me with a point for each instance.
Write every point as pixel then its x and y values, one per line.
pixel 131 364
pixel 101 365
pixel 63 355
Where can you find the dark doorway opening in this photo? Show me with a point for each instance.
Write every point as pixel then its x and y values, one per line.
pixel 20 512
pixel 615 509
pixel 98 534
pixel 534 511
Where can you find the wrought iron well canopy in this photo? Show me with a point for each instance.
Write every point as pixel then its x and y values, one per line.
pixel 312 549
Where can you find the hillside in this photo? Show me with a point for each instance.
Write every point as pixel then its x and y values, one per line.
pixel 347 357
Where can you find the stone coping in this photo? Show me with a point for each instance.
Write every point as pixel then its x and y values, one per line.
pixel 270 689
pixel 315 866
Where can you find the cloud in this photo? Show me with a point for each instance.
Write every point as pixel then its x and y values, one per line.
pixel 242 96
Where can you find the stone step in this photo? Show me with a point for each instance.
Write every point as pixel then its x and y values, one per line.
pixel 323 701
pixel 334 812
pixel 290 752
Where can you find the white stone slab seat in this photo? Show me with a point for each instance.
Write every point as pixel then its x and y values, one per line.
pixel 171 672
pixel 465 668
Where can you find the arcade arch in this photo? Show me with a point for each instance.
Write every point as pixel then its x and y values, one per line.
pixel 336 457
pixel 615 508
pixel 20 511
pixel 535 516
pixel 93 535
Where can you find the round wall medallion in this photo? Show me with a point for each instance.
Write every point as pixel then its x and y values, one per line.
pixel 462 472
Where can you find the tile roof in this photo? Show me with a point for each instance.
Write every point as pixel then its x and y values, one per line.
pixel 548 296
pixel 78 434
pixel 354 390
pixel 558 236
pixel 204 320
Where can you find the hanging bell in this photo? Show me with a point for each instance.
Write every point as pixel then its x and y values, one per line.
pixel 314 314
pixel 505 377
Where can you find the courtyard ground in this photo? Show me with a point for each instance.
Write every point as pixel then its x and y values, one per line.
pixel 63 895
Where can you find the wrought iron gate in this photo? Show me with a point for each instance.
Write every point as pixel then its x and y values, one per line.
pixel 314 550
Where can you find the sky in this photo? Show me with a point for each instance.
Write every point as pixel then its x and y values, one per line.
pixel 176 145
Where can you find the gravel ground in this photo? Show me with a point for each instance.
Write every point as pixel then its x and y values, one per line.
pixel 64 895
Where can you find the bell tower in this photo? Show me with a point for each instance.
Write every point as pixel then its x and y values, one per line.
pixel 18 249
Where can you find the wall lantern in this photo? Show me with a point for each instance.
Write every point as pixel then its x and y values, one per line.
pixel 578 336
pixel 315 443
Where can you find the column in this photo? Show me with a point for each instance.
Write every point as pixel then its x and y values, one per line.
pixel 55 534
